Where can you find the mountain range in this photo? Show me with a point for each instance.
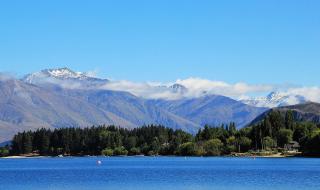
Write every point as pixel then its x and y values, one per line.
pixel 55 98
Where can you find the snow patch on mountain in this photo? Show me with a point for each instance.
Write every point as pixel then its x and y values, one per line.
pixel 60 73
pixel 65 73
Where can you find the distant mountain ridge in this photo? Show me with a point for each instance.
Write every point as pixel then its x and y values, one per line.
pixel 63 98
pixel 211 109
pixel 67 78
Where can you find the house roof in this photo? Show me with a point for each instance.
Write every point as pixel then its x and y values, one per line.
pixel 294 144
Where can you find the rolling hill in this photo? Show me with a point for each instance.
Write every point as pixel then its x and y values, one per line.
pixel 309 111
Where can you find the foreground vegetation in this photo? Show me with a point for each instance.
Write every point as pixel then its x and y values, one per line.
pixel 272 135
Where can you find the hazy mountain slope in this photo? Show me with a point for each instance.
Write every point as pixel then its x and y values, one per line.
pixel 63 98
pixel 136 110
pixel 24 106
pixel 8 129
pixel 212 110
pixel 309 111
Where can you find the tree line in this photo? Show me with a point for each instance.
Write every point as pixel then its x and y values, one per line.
pixel 279 128
pixel 271 134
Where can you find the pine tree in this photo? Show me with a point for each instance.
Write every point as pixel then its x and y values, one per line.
pixel 26 143
pixel 289 120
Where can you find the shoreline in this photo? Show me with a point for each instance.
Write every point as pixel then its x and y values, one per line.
pixel 22 157
pixel 238 155
pixel 275 155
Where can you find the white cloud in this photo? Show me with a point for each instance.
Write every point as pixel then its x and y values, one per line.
pixel 311 93
pixel 197 86
pixel 151 90
pixel 92 73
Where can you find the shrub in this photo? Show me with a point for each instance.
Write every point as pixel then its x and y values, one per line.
pixel 134 151
pixel 107 152
pixel 187 149
pixel 120 151
pixel 213 147
pixel 4 151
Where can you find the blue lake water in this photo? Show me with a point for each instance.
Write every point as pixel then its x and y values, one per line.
pixel 153 173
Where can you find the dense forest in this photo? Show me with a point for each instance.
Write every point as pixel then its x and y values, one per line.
pixel 272 134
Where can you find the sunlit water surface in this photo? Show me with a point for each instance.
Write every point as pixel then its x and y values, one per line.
pixel 157 173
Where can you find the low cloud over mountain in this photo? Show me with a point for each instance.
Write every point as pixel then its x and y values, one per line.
pixel 256 95
pixel 63 98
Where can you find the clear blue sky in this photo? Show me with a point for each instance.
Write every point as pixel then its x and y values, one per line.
pixel 251 41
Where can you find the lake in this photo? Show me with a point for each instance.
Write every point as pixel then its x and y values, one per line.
pixel 153 173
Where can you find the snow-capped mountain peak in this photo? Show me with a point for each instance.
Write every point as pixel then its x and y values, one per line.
pixel 62 75
pixel 275 99
pixel 274 96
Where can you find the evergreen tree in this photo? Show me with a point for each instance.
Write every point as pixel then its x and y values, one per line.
pixel 26 143
pixel 289 120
